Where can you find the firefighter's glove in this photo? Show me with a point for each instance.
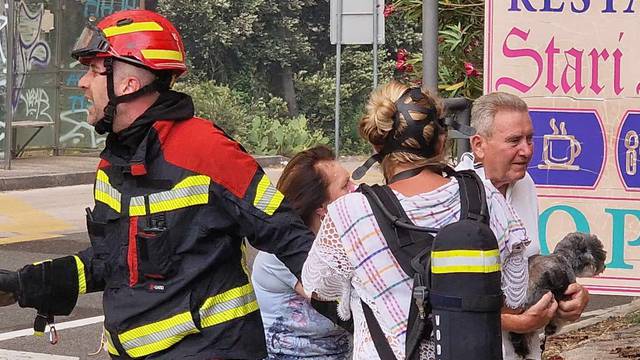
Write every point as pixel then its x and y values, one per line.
pixel 9 287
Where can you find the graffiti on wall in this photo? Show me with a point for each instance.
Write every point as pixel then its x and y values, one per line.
pixel 36 104
pixel 32 100
pixel 31 50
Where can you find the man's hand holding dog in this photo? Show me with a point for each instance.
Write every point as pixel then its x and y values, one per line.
pixel 535 317
pixel 572 309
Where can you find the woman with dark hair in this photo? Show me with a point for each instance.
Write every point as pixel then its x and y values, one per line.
pixel 293 329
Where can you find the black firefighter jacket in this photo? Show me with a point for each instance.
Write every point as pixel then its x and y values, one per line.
pixel 174 199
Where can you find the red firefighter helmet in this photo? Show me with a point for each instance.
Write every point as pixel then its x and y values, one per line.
pixel 139 37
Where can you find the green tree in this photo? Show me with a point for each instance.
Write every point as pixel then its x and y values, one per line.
pixel 254 45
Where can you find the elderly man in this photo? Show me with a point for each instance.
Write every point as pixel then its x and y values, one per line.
pixel 502 149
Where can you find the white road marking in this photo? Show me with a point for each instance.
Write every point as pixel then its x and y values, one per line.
pixel 60 326
pixel 21 355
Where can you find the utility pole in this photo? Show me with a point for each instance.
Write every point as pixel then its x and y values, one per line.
pixel 8 115
pixel 430 46
pixel 457 108
pixel 375 43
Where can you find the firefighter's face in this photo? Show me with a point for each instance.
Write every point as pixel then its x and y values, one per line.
pixel 338 178
pixel 94 84
pixel 507 151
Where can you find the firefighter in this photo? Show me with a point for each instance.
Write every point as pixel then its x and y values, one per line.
pixel 174 199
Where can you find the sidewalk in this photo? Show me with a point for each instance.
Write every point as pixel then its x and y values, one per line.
pixel 615 334
pixel 50 171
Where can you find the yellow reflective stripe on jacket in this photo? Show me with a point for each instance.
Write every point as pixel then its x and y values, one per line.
pixel 465 261
pixel 193 190
pixel 132 28
pixel 110 348
pixel 157 336
pixel 229 305
pixel 268 198
pixel 106 193
pixel 82 281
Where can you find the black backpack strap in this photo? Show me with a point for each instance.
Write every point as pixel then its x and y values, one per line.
pixel 379 340
pixel 403 243
pixel 473 200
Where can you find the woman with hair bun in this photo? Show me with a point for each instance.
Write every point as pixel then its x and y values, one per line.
pixel 350 260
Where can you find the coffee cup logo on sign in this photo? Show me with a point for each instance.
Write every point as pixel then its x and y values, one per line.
pixel 559 149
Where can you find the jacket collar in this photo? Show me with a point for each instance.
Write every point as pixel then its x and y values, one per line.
pixel 129 148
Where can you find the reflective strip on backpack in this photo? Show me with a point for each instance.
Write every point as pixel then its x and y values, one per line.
pixel 157 336
pixel 105 193
pixel 193 190
pixel 110 348
pixel 465 261
pixel 229 305
pixel 268 198
pixel 82 281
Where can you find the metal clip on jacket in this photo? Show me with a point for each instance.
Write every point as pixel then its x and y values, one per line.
pixel 40 325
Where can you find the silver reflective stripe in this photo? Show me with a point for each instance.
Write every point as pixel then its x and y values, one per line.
pixel 192 191
pixel 269 193
pixel 227 305
pixel 108 189
pixel 137 201
pixel 178 193
pixel 175 331
pixel 465 261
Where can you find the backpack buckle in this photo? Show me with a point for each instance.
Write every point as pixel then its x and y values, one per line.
pixel 420 295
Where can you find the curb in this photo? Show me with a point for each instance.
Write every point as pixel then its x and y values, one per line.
pixel 45 181
pixel 88 177
pixel 271 160
pixel 606 314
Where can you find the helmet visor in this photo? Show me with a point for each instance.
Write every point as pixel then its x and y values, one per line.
pixel 91 42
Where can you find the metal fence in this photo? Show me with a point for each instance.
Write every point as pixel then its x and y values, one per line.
pixel 38 78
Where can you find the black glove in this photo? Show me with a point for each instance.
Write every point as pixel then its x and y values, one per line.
pixel 9 287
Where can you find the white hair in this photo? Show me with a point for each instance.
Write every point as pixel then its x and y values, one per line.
pixel 487 106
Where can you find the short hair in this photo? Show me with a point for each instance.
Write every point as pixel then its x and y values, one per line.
pixel 303 184
pixel 123 70
pixel 487 106
pixel 375 126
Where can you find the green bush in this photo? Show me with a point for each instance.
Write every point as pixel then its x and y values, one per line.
pixel 219 104
pixel 261 125
pixel 283 137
